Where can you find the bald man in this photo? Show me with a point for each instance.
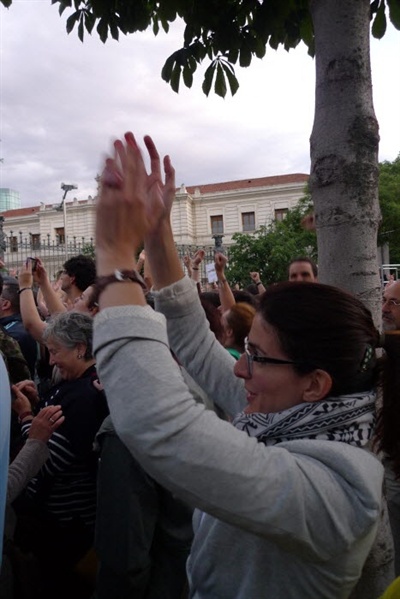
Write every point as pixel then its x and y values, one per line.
pixel 391 322
pixel 391 307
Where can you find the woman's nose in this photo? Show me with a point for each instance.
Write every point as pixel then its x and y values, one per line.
pixel 241 368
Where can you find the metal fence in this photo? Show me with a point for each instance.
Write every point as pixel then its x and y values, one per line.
pixel 53 254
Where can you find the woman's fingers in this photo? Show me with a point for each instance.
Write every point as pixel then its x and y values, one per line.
pixel 51 414
pixel 155 164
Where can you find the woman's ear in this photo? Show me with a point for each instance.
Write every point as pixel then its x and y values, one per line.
pixel 319 385
pixel 228 336
pixel 81 350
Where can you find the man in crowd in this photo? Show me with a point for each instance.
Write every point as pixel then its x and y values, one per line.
pixel 391 307
pixel 79 272
pixel 303 269
pixel 11 321
pixel 391 322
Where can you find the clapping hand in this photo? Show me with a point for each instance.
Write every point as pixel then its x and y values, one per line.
pixel 132 204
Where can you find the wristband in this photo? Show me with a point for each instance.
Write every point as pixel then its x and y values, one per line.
pixel 259 283
pixel 24 415
pixel 23 289
pixel 194 268
pixel 221 282
pixel 120 276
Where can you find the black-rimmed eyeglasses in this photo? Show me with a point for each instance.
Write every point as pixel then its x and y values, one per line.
pixel 260 359
pixel 392 302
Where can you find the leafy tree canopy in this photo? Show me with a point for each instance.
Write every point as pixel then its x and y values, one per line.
pixel 389 199
pixel 226 32
pixel 270 249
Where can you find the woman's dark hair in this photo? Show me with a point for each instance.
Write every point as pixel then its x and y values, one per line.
pixel 83 268
pixel 243 296
pixel 213 316
pixel 211 297
pixel 320 326
pixel 387 433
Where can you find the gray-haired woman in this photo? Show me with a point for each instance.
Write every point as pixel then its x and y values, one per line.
pixel 61 501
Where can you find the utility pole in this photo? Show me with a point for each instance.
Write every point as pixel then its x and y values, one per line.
pixel 63 206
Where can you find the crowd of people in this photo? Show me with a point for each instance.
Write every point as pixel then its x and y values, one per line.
pixel 169 441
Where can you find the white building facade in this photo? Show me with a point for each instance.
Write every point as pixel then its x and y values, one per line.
pixel 198 214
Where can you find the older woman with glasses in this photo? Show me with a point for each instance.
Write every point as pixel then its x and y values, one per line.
pixel 57 511
pixel 287 498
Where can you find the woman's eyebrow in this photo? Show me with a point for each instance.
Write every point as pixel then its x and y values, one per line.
pixel 255 347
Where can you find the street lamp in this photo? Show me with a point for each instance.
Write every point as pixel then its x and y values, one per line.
pixel 63 206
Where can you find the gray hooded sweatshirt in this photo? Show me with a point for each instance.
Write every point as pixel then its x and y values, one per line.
pixel 292 521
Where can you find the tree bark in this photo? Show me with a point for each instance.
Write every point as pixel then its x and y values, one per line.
pixel 344 150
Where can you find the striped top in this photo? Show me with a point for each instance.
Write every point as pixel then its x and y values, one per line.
pixel 65 487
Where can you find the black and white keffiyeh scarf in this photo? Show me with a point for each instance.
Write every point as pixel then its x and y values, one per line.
pixel 347 418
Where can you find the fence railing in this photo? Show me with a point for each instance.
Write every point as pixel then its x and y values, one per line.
pixel 53 254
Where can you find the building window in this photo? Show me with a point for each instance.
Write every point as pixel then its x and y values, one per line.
pixel 280 213
pixel 35 241
pixel 60 235
pixel 217 225
pixel 248 221
pixel 14 244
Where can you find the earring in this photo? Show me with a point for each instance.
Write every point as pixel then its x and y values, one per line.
pixel 79 356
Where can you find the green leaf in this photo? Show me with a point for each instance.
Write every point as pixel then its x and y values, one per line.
pixel 187 76
pixel 175 77
pixel 71 21
pixel 208 78
pixel 379 23
pixel 192 63
pixel 156 27
pixel 245 56
pixel 394 12
pixel 81 28
pixel 220 83
pixel 307 32
pixel 188 34
pixel 61 8
pixel 374 7
pixel 63 4
pixel 233 55
pixel 102 30
pixel 260 48
pixel 164 25
pixel 114 30
pixel 89 21
pixel 198 51
pixel 166 72
pixel 232 80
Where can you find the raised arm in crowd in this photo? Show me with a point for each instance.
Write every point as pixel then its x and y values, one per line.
pixel 289 489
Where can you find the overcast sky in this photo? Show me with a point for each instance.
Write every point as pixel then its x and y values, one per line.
pixel 62 102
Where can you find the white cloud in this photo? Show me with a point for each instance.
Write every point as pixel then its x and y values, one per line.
pixel 63 102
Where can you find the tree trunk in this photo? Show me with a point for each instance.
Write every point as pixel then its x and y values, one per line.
pixel 344 150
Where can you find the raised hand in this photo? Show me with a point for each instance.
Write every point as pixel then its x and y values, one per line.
pixel 25 276
pixel 198 258
pixel 132 203
pixel 220 262
pixel 40 273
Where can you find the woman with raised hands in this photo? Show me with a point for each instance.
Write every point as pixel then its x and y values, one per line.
pixel 287 498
